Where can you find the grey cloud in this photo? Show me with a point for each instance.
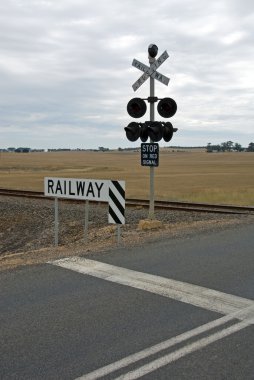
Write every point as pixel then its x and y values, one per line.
pixel 68 65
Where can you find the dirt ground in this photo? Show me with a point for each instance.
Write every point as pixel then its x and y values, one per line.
pixel 27 229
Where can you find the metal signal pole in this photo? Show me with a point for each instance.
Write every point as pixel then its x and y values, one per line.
pixel 151 201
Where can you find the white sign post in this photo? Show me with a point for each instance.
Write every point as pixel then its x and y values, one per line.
pixel 56 221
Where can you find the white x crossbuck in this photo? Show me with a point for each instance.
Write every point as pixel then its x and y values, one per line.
pixel 150 71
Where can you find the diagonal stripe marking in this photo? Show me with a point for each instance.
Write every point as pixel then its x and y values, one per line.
pixel 120 186
pixel 114 199
pixel 195 295
pixel 113 217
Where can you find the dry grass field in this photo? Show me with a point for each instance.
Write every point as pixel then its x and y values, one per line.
pixel 226 178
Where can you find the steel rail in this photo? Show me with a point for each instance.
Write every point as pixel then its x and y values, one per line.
pixel 166 205
pixel 195 206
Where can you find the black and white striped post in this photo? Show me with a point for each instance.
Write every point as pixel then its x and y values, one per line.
pixel 116 205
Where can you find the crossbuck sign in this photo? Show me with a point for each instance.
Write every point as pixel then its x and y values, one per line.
pixel 150 71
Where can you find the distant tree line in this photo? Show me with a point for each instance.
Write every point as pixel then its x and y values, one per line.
pixel 229 146
pixel 22 150
pixel 28 150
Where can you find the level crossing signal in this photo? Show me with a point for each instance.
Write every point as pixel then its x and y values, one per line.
pixel 136 107
pixel 156 130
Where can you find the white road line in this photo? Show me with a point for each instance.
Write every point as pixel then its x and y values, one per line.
pixel 103 371
pixel 199 296
pixel 178 354
pixel 233 307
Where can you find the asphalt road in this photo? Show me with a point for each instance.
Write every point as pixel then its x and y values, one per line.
pixel 62 323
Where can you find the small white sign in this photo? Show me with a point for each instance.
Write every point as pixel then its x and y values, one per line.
pixel 140 81
pixel 141 66
pixel 150 71
pixel 160 60
pixel 75 188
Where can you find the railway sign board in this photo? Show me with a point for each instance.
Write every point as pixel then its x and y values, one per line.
pixel 75 188
pixel 150 71
pixel 109 191
pixel 150 154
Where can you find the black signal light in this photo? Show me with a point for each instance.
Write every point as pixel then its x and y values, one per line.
pixel 144 133
pixel 167 107
pixel 132 131
pixel 168 131
pixel 136 107
pixel 155 131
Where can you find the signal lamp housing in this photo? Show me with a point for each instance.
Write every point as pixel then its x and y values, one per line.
pixel 132 131
pixel 155 131
pixel 136 107
pixel 167 107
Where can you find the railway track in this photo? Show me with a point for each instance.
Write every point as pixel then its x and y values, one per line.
pixel 166 205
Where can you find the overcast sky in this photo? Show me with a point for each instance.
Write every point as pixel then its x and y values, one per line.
pixel 66 70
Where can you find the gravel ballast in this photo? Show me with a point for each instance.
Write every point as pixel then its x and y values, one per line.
pixel 28 225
